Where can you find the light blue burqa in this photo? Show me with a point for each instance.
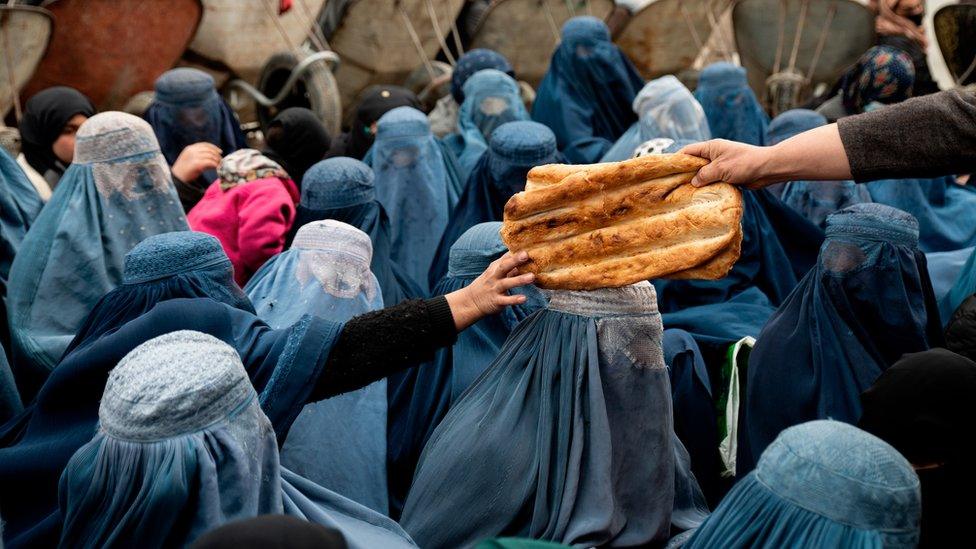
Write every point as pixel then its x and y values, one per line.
pixel 117 192
pixel 339 443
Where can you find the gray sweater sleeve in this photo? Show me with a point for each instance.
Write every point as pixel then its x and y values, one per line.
pixel 923 137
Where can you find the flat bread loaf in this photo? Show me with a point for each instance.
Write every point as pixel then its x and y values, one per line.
pixel 617 223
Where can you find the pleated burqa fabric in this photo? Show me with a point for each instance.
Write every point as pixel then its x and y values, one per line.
pixel 732 109
pixel 943 209
pixel 183 447
pixel 866 303
pixel 340 442
pixel 117 192
pixel 567 437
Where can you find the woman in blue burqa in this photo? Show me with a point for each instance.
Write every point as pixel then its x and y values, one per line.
pixel 339 442
pixel 665 110
pixel 732 109
pixel 117 192
pixel 195 128
pixel 418 184
pixel 866 303
pixel 184 281
pixel 184 446
pixel 586 95
pixel 344 189
pixel 514 149
pixel 491 98
pixel 566 437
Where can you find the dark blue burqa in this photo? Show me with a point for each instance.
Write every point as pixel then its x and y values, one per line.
pixel 732 109
pixel 283 365
pixel 586 95
pixel 867 302
pixel 944 209
pixel 342 189
pixel 515 148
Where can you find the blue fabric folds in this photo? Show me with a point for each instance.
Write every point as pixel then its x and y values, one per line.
pixel 186 110
pixel 19 207
pixel 417 184
pixel 732 109
pixel 470 63
pixel 820 484
pixel 516 148
pixel 814 200
pixel 183 447
pixel 586 95
pixel 567 436
pixel 117 192
pixel 963 287
pixel 342 189
pixel 491 98
pixel 666 109
pixel 867 302
pixel 282 365
pixel 943 209
pixel 339 442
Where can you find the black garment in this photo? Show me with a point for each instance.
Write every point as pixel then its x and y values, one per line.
pixel 271 532
pixel 190 193
pixel 960 333
pixel 45 116
pixel 374 103
pixel 297 140
pixel 922 406
pixel 379 343
pixel 926 136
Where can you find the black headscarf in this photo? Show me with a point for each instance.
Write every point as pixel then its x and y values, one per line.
pixel 923 407
pixel 45 116
pixel 271 532
pixel 297 139
pixel 374 103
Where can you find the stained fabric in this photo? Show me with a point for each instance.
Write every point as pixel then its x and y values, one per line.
pixel 820 484
pixel 182 447
pixel 884 74
pixel 339 442
pixel 732 109
pixel 492 98
pixel 343 189
pixel 921 406
pixel 471 63
pixel 117 192
pixel 963 287
pixel 417 183
pixel 586 95
pixel 814 200
pixel 567 436
pixel 250 208
pixel 261 532
pixel 374 102
pixel 515 148
pixel 186 110
pixel 665 109
pixel 45 116
pixel 296 139
pixel 941 206
pixel 867 302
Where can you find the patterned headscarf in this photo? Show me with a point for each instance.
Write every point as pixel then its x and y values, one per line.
pixel 247 165
pixel 884 74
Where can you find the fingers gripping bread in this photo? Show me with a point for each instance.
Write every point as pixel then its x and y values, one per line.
pixel 614 224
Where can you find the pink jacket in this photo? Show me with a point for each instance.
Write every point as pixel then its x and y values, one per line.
pixel 250 220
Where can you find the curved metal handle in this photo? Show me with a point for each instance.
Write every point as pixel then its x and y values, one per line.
pixel 329 57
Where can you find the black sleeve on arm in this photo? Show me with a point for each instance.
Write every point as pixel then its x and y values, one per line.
pixel 374 345
pixel 189 192
pixel 927 136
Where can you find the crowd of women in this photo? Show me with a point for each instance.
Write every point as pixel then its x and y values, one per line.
pixel 324 342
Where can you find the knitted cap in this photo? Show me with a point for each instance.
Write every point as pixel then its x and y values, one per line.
pixel 402 122
pixel 585 28
pixel 872 221
pixel 471 254
pixel 169 254
pixel 523 143
pixel 337 183
pixel 184 87
pixel 113 136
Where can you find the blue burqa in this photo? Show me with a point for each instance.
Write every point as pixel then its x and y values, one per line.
pixel 117 192
pixel 343 189
pixel 586 95
pixel 515 148
pixel 666 109
pixel 418 185
pixel 340 442
pixel 491 98
pixel 567 436
pixel 732 109
pixel 814 200
pixel 943 209
pixel 963 287
pixel 182 447
pixel 867 302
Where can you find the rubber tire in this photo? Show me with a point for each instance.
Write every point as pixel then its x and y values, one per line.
pixel 316 90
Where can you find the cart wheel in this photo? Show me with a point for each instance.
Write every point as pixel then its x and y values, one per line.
pixel 316 90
